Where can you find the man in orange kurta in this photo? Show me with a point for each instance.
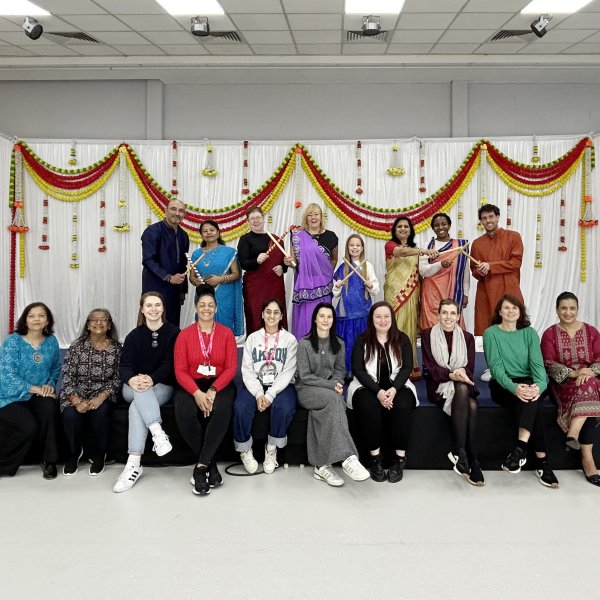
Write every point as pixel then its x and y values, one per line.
pixel 500 254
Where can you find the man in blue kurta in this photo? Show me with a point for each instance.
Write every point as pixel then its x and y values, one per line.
pixel 164 245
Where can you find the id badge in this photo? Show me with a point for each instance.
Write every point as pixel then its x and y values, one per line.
pixel 268 379
pixel 207 370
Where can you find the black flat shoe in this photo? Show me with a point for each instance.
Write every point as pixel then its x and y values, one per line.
pixel 49 470
pixel 593 479
pixel 572 443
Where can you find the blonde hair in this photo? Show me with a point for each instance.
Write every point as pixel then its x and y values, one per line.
pixel 363 269
pixel 310 208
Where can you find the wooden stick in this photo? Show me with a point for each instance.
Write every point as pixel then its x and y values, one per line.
pixel 274 240
pixel 457 249
pixel 461 251
pixel 477 262
pixel 354 270
pixel 192 267
pixel 269 250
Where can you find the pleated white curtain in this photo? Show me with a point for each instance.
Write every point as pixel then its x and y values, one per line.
pixel 113 279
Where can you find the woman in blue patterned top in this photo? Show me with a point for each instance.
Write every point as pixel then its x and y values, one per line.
pixel 30 362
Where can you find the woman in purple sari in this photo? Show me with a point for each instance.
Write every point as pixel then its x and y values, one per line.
pixel 314 252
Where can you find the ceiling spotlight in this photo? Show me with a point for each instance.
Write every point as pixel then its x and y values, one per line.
pixel 199 26
pixel 540 25
pixel 32 28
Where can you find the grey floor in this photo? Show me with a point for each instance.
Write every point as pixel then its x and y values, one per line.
pixel 289 536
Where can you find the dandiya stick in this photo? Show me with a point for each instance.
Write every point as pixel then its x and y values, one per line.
pixel 458 249
pixel 270 249
pixel 354 271
pixel 274 240
pixel 192 267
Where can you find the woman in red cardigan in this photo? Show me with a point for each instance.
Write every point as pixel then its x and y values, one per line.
pixel 205 364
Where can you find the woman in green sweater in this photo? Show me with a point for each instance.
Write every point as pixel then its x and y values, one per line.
pixel 513 354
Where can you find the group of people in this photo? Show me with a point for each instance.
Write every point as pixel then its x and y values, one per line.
pixel 371 346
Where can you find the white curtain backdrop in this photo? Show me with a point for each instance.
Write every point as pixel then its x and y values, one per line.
pixel 113 279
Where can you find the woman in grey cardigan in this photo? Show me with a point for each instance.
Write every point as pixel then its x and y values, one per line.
pixel 319 384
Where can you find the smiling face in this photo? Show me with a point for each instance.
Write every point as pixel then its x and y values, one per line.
pixel 382 320
pixel 98 323
pixel 175 213
pixel 314 219
pixel 355 248
pixel 448 317
pixel 36 320
pixel 509 313
pixel 272 317
pixel 324 321
pixel 489 221
pixel 567 311
pixel 152 309
pixel 403 230
pixel 256 222
pixel 206 307
pixel 209 233
pixel 441 227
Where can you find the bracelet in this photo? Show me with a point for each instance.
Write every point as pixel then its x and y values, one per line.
pixel 212 388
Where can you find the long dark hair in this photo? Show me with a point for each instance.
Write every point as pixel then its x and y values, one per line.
pixel 216 226
pixel 141 320
pixel 394 341
pixel 22 328
pixel 523 320
pixel 411 238
pixel 334 341
pixel 111 332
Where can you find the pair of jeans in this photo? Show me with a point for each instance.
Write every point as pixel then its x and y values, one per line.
pixel 144 410
pixel 282 411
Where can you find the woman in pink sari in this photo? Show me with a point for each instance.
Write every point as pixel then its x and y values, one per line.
pixel 571 351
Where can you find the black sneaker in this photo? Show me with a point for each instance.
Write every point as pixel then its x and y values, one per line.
pixel 72 464
pixel 97 466
pixel 214 477
pixel 476 476
pixel 515 460
pixel 460 462
pixel 546 474
pixel 376 469
pixel 49 470
pixel 201 484
pixel 396 471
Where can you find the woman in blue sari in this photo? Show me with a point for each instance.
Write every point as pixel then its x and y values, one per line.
pixel 218 266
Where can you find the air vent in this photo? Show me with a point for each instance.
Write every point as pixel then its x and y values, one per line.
pixel 355 36
pixel 73 37
pixel 508 34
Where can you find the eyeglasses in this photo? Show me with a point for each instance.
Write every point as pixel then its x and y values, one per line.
pixel 155 339
pixel 101 320
pixel 272 313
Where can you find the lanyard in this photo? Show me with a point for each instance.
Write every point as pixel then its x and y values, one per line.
pixel 206 351
pixel 270 354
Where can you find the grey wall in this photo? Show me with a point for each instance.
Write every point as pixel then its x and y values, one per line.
pixel 293 111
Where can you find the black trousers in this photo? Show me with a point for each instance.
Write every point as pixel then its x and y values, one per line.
pixel 371 417
pixel 528 415
pixel 21 423
pixel 100 422
pixel 204 434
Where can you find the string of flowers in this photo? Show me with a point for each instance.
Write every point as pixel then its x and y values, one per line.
pixel 538 236
pixel 562 222
pixel 395 169
pixel 298 196
pixel 460 214
pixel 174 190
pixel 209 170
pixel 18 217
pixel 123 225
pixel 422 186
pixel 74 264
pixel 102 240
pixel 482 180
pixel 509 213
pixel 245 188
pixel 358 151
pixel 73 154
pixel 44 245
pixel 587 220
pixel 535 159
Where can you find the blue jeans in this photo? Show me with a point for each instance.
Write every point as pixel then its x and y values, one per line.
pixel 282 413
pixel 144 410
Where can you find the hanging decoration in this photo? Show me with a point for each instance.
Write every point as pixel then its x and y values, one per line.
pixel 395 169
pixel 562 223
pixel 102 240
pixel 123 225
pixel 209 170
pixel 422 186
pixel 245 188
pixel 44 245
pixel 359 189
pixel 538 236
pixel 74 237
pixel 73 154
pixel 509 213
pixel 535 159
pixel 482 181
pixel 298 196
pixel 174 190
pixel 587 220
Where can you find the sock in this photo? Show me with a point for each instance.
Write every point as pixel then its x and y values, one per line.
pixel 522 445
pixel 134 460
pixel 271 447
pixel 155 428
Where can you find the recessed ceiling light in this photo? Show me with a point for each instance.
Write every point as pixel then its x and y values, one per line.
pixel 373 7
pixel 21 8
pixel 192 7
pixel 537 7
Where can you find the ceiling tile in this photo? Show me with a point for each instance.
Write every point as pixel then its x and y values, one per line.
pixel 364 48
pixel 356 21
pixel 425 21
pixel 152 22
pixel 544 48
pixel 326 49
pixel 500 48
pixel 7 25
pixel 421 6
pixel 169 37
pixel 314 22
pixel 255 6
pixel 274 49
pixel 313 6
pixel 14 51
pixel 580 21
pixel 54 50
pixel 20 39
pixel 95 22
pixel 409 48
pixel 590 40
pixel 98 51
pixel 139 50
pixel 568 35
pixel 417 36
pixel 228 49
pixel 487 6
pixel 260 22
pixel 268 37
pixel 454 48
pixel 138 7
pixel 216 22
pixel 120 37
pixel 584 49
pixel 317 37
pixel 71 7
pixel 481 20
pixel 184 49
pixel 459 36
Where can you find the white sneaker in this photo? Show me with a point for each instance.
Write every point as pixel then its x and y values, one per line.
pixel 162 445
pixel 128 478
pixel 354 469
pixel 486 375
pixel 249 461
pixel 328 475
pixel 270 463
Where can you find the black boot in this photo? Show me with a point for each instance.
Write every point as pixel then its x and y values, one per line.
pixel 376 468
pixel 396 471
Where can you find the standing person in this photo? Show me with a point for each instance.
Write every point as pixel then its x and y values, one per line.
pixel 319 385
pixel 512 350
pixel 448 276
pixel 91 386
pixel 381 392
pixel 30 361
pixel 262 263
pixel 500 254
pixel 401 287
pixel 218 266
pixel 314 254
pixel 164 245
pixel 268 368
pixel 571 351
pixel 148 383
pixel 448 364
pixel 205 364
pixel 355 296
